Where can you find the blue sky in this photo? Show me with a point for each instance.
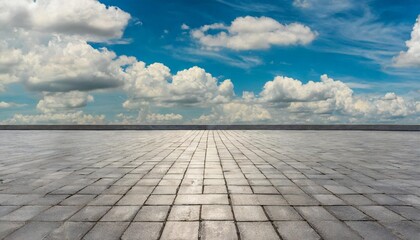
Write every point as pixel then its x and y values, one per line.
pixel 216 61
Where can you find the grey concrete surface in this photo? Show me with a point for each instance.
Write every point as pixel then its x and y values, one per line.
pixel 209 184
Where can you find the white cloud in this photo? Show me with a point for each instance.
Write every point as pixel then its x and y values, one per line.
pixel 154 84
pixel 185 27
pixel 57 118
pixel 44 46
pixel 285 89
pixel 88 19
pixel 331 97
pixel 155 117
pixel 251 33
pixel 411 57
pixel 301 3
pixel 72 65
pixel 9 104
pixel 236 112
pixel 61 102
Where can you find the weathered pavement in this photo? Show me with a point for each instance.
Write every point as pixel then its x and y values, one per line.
pixel 209 185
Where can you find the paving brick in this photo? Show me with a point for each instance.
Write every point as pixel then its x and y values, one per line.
pixel 184 213
pixel 143 231
pixel 216 212
pixel 180 230
pixel 106 231
pixel 57 213
pixel 348 213
pixel 202 199
pixel 24 213
pixel 249 213
pixel 257 230
pixel 152 214
pixel 8 227
pixel 90 214
pixel 160 199
pixel 120 214
pixel 334 230
pixel 70 230
pixel 381 213
pixel 215 230
pixel 282 213
pixel 371 230
pixel 296 230
pixel 33 231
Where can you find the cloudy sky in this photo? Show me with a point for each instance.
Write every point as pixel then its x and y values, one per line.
pixel 209 62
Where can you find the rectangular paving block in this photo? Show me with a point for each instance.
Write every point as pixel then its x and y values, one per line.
pixel 257 230
pixel 180 230
pixel 202 199
pixel 296 230
pixel 215 230
pixel 143 231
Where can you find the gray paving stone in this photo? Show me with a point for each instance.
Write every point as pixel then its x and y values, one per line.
pixel 257 230
pixel 120 214
pixel 216 212
pixel 105 200
pixel 406 229
pixel 133 200
pixel 300 200
pixel 184 213
pixel 296 230
pixel 282 213
pixel 57 213
pixel 381 213
pixel 77 200
pixel 106 231
pixel 152 214
pixel 315 213
pixel 371 230
pixel 215 230
pixel 8 227
pixel 180 230
pixel 33 231
pixel 24 213
pixel 214 189
pixel 90 214
pixel 249 213
pixel 334 230
pixel 347 213
pixel 160 199
pixel 408 212
pixel 70 230
pixel 202 199
pixel 329 199
pixel 143 231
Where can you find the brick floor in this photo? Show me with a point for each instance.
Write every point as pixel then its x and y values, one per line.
pixel 209 185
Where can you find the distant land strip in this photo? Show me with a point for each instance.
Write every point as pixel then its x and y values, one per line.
pixel 375 127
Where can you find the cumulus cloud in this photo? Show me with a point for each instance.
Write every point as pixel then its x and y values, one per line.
pixel 154 84
pixel 236 112
pixel 56 118
pixel 45 47
pixel 331 98
pixel 72 65
pixel 88 19
pixel 251 33
pixel 155 117
pixel 411 57
pixel 9 104
pixel 61 102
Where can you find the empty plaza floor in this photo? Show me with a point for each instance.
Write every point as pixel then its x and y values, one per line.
pixel 209 185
